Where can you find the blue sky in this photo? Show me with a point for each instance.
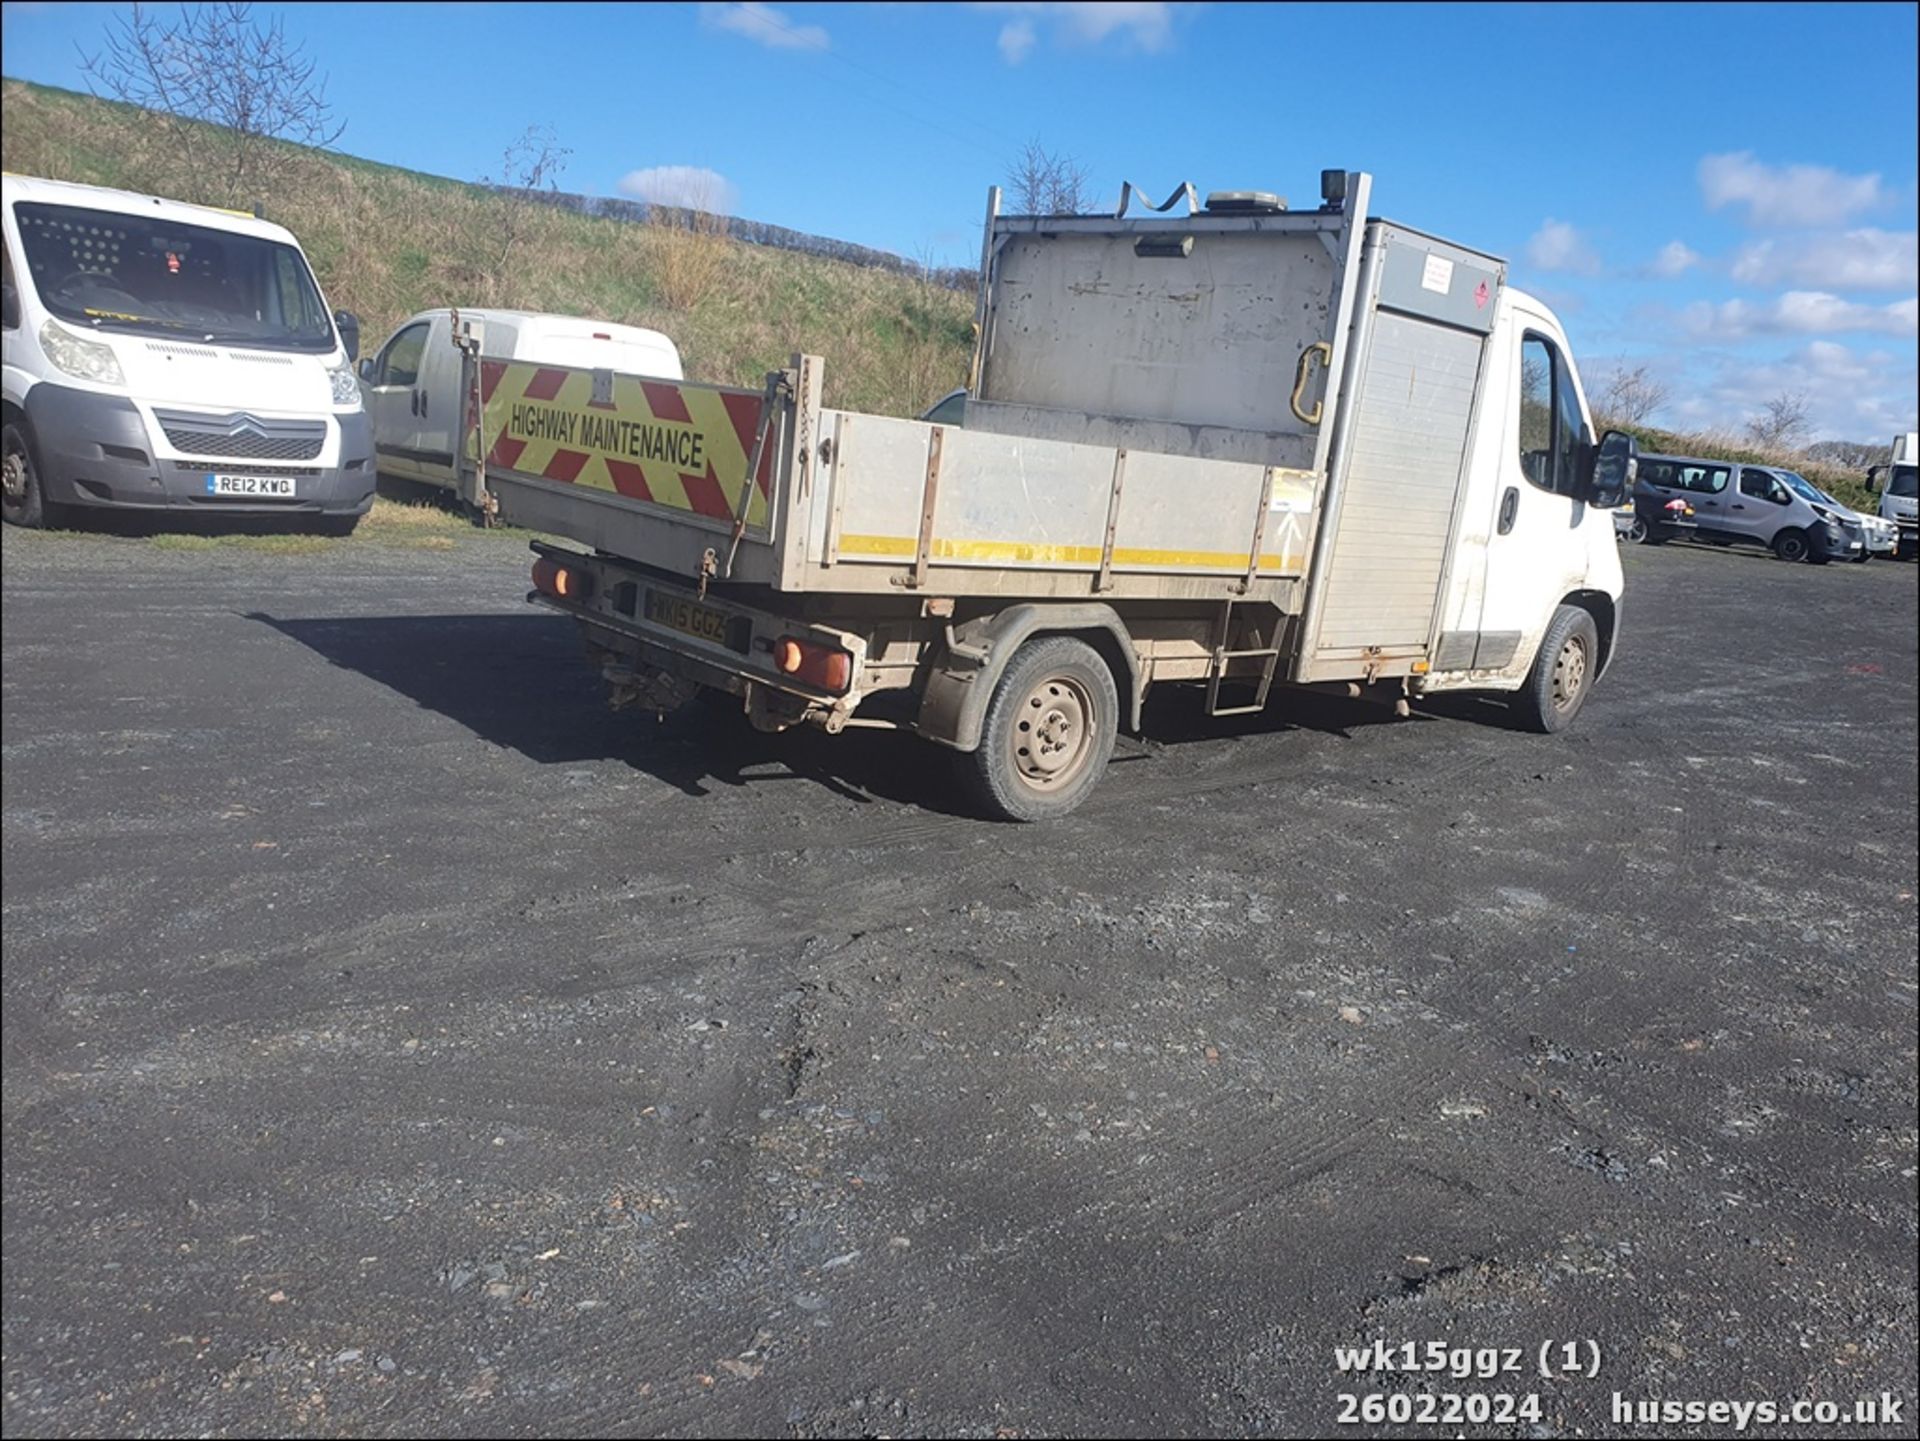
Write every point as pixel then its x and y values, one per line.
pixel 1724 193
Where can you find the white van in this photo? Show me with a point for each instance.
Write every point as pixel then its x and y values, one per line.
pixel 413 385
pixel 173 358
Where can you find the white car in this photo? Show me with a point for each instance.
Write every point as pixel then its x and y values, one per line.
pixel 1878 536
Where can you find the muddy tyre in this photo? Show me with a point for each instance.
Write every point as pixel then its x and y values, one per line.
pixel 1563 672
pixel 1048 734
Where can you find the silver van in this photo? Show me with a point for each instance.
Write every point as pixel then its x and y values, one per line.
pixel 1736 504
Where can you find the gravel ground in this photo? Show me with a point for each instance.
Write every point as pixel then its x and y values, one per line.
pixel 396 1041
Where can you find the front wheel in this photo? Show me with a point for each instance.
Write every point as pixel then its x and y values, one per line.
pixel 22 501
pixel 1792 546
pixel 337 526
pixel 1049 731
pixel 1563 672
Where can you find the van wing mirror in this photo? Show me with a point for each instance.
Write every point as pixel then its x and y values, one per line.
pixel 349 325
pixel 366 370
pixel 1615 467
pixel 9 304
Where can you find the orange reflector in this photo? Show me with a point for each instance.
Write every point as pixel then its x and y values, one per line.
pixel 1421 667
pixel 825 667
pixel 552 578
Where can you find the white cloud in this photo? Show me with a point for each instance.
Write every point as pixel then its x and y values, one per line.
pixel 1787 194
pixel 764 25
pixel 1798 312
pixel 1557 245
pixel 1851 395
pixel 1144 26
pixel 1855 260
pixel 1675 259
pixel 1016 39
pixel 691 187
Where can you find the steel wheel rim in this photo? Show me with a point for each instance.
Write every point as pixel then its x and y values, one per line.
pixel 13 476
pixel 1793 548
pixel 1052 735
pixel 1569 673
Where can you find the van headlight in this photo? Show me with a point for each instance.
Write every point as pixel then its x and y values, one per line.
pixel 346 388
pixel 80 357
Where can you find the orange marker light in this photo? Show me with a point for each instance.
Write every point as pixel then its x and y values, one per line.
pixel 824 667
pixel 560 582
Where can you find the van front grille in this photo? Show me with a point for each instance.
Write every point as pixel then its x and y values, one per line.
pixel 252 468
pixel 243 437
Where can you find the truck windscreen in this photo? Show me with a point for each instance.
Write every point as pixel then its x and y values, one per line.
pixel 110 271
pixel 1902 482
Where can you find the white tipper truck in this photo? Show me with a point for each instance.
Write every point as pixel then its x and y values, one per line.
pixel 1899 499
pixel 1243 446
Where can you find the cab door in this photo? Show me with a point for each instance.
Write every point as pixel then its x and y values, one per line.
pixel 438 405
pixel 393 402
pixel 1756 508
pixel 1541 544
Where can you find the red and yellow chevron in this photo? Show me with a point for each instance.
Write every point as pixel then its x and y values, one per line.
pixel 668 443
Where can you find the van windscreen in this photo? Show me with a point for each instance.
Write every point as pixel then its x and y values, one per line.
pixel 135 273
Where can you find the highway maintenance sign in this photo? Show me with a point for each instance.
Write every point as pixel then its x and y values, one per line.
pixel 670 443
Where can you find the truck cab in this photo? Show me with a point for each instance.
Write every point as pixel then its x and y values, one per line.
pixel 1898 490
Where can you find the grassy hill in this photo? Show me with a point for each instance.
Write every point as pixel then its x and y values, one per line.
pixel 388 242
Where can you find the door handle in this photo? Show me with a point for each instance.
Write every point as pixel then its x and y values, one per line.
pixel 1738 506
pixel 423 405
pixel 413 401
pixel 1509 508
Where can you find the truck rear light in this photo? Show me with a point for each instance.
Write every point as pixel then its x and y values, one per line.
pixel 562 582
pixel 824 667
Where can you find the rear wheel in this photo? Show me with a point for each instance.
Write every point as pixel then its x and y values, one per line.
pixel 1638 532
pixel 339 526
pixel 1049 731
pixel 21 500
pixel 1563 672
pixel 1792 545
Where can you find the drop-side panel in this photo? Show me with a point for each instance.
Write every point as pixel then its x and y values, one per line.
pixel 1409 439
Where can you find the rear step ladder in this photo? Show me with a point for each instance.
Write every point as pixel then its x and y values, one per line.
pixel 1217 670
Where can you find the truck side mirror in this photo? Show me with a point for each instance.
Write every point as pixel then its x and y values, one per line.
pixel 1615 467
pixel 349 324
pixel 1873 479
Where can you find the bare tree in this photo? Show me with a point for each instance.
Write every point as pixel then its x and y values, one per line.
pixel 1781 421
pixel 1850 454
pixel 533 162
pixel 1629 396
pixel 1045 183
pixel 227 91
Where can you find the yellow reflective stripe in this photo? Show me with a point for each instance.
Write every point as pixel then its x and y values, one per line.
pixel 1040 554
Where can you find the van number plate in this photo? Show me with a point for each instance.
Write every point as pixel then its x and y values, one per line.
pixel 699 621
pixel 271 487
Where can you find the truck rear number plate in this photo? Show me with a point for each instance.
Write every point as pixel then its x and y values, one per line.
pixel 276 487
pixel 698 621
